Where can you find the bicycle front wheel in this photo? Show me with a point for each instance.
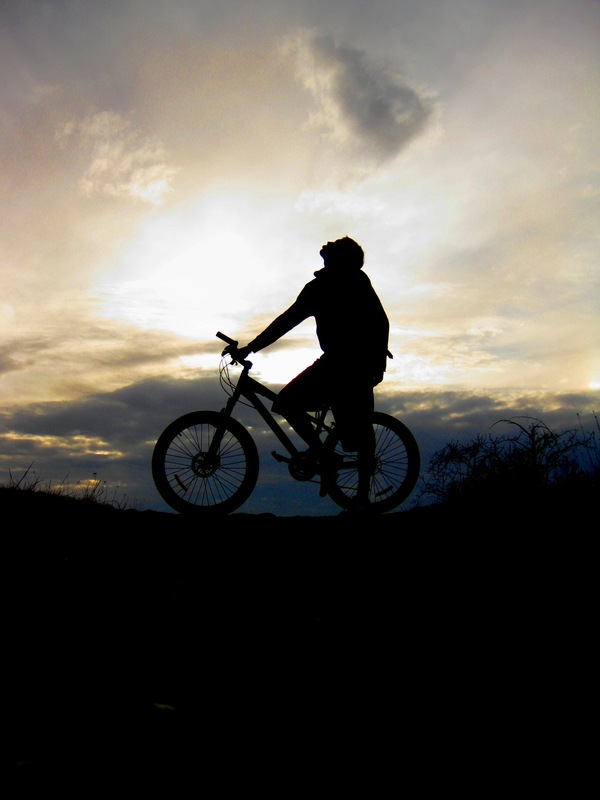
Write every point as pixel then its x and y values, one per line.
pixel 395 470
pixel 190 479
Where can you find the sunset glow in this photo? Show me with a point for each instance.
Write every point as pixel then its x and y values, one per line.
pixel 157 192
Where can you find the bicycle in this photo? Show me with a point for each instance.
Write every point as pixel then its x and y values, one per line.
pixel 206 462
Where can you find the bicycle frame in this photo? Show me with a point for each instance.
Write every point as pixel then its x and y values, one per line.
pixel 250 389
pixel 207 462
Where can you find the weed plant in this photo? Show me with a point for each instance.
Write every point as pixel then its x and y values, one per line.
pixel 90 491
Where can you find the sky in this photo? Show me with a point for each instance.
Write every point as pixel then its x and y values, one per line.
pixel 170 168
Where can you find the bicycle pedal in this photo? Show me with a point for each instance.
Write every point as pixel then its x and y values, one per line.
pixel 280 458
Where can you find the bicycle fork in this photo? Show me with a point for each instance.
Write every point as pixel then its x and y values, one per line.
pixel 212 454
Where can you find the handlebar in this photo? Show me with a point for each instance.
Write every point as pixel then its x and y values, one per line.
pixel 227 339
pixel 231 351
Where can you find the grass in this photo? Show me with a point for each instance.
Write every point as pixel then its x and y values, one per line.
pixel 92 491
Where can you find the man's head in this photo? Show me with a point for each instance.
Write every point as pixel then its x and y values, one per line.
pixel 343 253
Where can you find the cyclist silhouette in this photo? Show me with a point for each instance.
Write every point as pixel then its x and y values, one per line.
pixel 352 329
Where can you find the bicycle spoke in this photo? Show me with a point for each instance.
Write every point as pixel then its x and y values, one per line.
pixel 191 478
pixel 395 471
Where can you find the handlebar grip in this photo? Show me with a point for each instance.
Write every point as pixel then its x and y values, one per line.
pixel 227 339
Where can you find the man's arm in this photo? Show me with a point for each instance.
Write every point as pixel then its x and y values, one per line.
pixel 294 315
pixel 291 317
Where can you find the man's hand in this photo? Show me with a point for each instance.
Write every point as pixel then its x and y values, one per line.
pixel 244 352
pixel 236 353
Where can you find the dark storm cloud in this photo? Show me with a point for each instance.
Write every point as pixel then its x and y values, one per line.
pixel 378 109
pixel 122 417
pixel 109 435
pixel 112 435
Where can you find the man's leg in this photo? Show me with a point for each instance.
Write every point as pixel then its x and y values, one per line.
pixel 354 417
pixel 303 392
pixel 301 423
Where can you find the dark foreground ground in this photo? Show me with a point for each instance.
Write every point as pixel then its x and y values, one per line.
pixel 257 652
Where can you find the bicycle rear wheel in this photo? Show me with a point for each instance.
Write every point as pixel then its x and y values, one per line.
pixel 192 482
pixel 395 471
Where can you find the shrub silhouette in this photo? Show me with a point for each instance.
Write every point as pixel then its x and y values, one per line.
pixel 518 466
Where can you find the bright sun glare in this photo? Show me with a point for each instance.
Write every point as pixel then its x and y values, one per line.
pixel 186 276
pixel 194 273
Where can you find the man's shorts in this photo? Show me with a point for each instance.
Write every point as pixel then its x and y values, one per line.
pixel 345 388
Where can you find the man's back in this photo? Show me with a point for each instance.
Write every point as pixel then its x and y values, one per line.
pixel 350 318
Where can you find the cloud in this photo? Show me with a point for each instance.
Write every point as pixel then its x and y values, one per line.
pixel 121 161
pixel 352 206
pixel 112 434
pixel 71 351
pixel 364 107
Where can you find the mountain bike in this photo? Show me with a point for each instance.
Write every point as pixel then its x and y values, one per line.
pixel 206 462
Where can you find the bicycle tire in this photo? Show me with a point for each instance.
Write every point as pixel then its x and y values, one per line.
pixel 187 481
pixel 397 466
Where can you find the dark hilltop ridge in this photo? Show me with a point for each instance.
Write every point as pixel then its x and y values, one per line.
pixel 154 645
